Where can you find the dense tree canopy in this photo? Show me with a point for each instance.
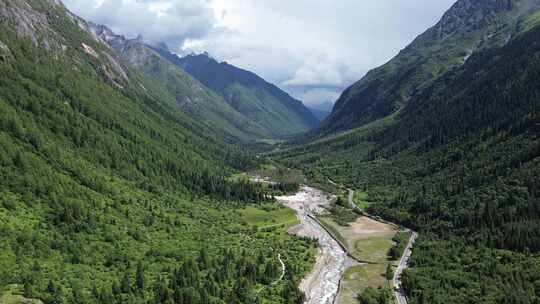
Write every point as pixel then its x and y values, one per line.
pixel 109 193
pixel 460 164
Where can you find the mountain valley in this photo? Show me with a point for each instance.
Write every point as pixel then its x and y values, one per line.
pixel 130 174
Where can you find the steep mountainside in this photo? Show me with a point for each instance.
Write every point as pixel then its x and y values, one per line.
pixel 460 164
pixel 469 26
pixel 264 103
pixel 319 114
pixel 197 100
pixel 109 192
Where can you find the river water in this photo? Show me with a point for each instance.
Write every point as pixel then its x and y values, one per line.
pixel 321 286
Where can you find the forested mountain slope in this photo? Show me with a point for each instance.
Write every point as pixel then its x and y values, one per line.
pixel 249 94
pixel 197 100
pixel 469 26
pixel 460 164
pixel 109 192
pixel 319 114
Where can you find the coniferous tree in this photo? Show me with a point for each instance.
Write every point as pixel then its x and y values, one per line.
pixel 125 284
pixel 389 272
pixel 139 278
pixel 161 292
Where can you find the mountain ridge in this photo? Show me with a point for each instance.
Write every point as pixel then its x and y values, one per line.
pixel 320 114
pixel 468 26
pixel 197 100
pixel 249 94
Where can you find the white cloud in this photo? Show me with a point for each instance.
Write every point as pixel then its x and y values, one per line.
pixel 316 70
pixel 170 21
pixel 318 98
pixel 295 44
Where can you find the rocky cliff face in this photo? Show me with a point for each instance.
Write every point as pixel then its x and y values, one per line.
pixel 135 51
pixel 105 34
pixel 28 22
pixel 479 13
pixel 43 25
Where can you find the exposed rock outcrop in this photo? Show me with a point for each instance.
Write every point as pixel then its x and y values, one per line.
pixel 26 21
pixel 5 53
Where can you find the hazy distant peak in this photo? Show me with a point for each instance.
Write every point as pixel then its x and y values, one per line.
pixel 203 57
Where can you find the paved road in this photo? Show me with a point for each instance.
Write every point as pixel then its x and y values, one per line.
pixel 403 263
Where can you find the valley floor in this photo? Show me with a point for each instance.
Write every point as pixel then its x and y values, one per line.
pixel 351 258
pixel 368 241
pixel 322 284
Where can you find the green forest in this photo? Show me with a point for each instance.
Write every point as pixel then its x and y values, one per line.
pixel 461 166
pixel 109 193
pixel 112 192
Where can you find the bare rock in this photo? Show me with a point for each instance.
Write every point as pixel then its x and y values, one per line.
pixel 4 48
pixel 5 52
pixel 56 2
pixel 89 50
pixel 117 66
pixel 27 22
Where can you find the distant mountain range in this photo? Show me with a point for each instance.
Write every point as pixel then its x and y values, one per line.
pixel 264 103
pixel 235 103
pixel 196 99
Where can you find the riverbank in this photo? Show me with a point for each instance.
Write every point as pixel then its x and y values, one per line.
pixel 369 241
pixel 350 258
pixel 321 286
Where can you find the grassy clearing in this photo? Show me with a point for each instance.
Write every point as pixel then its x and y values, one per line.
pixel 369 241
pixel 373 249
pixel 12 295
pixel 366 239
pixel 271 142
pixel 239 177
pixel 280 174
pixel 361 199
pixel 358 278
pixel 268 215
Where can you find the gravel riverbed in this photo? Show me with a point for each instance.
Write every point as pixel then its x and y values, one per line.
pixel 322 285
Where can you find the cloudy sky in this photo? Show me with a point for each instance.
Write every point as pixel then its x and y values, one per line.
pixel 311 48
